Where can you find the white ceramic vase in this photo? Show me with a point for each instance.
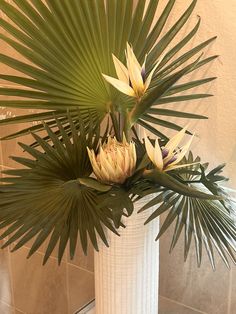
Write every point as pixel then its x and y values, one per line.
pixel 127 273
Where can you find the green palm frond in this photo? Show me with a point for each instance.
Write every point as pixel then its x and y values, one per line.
pixel 87 117
pixel 47 197
pixel 67 45
pixel 207 223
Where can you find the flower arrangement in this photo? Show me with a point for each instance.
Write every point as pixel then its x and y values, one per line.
pixel 80 177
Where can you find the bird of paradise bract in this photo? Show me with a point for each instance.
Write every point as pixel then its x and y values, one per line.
pixel 167 157
pixel 132 78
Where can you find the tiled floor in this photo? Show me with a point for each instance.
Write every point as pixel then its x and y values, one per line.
pixel 166 306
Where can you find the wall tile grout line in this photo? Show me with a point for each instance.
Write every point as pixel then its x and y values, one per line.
pixel 12 306
pixel 184 305
pixel 11 277
pixel 9 305
pixel 16 309
pixel 230 291
pixel 82 268
pixel 63 261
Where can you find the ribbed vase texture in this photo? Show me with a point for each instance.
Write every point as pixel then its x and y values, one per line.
pixel 126 273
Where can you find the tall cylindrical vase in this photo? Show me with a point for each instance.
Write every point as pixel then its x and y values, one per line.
pixel 127 273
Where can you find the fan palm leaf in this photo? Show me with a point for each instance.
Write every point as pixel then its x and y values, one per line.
pixel 66 46
pixel 209 223
pixel 46 197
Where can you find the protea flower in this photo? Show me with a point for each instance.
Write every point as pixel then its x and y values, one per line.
pixel 115 161
pixel 167 157
pixel 132 79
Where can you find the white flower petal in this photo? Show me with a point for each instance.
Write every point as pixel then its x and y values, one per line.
pixel 120 85
pixel 92 157
pixel 121 70
pixel 131 56
pixel 124 139
pixel 95 166
pixel 158 160
pixel 183 152
pixel 134 70
pixel 120 158
pixel 135 77
pixel 134 155
pixel 105 175
pixel 175 140
pixel 128 161
pixel 114 162
pixel 149 149
pixel 149 78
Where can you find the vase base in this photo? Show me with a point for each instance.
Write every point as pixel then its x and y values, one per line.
pixel 87 309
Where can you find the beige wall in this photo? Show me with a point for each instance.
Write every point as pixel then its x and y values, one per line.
pixel 185 288
pixel 27 287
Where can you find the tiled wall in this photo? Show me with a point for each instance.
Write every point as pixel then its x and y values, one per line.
pixel 28 287
pixel 189 289
pixel 38 289
pixel 25 285
pixel 183 284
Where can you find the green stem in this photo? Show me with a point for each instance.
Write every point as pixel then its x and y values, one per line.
pixel 127 128
pixel 135 113
pixel 196 181
pixel 115 124
pixel 163 179
pixel 129 123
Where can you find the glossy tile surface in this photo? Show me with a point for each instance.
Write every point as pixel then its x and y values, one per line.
pixel 42 249
pixel 86 262
pixel 165 307
pixel 6 309
pixel 19 312
pixel 38 289
pixel 5 277
pixel 232 296
pixel 81 287
pixel 11 147
pixel 169 307
pixel 187 284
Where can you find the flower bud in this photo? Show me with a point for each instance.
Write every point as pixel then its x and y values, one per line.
pixel 115 161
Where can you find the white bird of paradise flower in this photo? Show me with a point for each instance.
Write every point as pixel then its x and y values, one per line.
pixel 167 157
pixel 132 79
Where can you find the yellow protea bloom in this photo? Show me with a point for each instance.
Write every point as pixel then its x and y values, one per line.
pixel 132 79
pixel 115 161
pixel 167 157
